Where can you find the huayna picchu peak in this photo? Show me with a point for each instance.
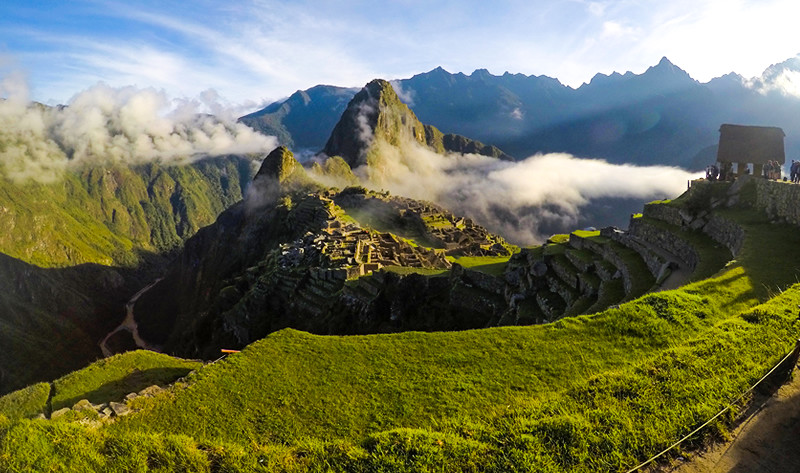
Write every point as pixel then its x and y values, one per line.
pixel 376 115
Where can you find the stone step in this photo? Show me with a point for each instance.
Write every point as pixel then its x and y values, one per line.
pixel 605 270
pixel 610 293
pixel 654 261
pixel 565 270
pixel 580 306
pixel 551 304
pixel 635 273
pixel 589 284
pixel 567 294
pixel 666 237
pixel 582 260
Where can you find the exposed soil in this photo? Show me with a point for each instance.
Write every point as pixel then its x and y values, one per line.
pixel 768 441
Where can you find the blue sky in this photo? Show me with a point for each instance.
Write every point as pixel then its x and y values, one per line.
pixel 253 52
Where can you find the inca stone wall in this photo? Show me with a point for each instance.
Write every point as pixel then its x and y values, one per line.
pixel 780 200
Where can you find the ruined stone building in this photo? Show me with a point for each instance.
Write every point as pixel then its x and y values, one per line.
pixel 741 146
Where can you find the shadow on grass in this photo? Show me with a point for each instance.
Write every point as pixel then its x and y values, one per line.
pixel 133 382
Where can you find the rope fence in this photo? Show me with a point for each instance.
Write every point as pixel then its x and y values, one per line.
pixel 793 353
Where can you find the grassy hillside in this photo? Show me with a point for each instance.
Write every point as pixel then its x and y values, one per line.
pixel 585 394
pixel 74 251
pixel 112 215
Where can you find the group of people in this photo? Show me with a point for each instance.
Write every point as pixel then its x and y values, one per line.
pixel 772 170
pixel 721 173
pixel 794 171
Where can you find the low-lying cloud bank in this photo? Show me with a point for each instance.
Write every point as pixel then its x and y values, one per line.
pixel 524 201
pixel 105 125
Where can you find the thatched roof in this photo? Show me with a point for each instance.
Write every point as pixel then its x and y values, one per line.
pixel 750 144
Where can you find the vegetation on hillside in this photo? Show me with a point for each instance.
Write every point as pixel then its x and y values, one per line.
pixel 591 393
pixel 113 215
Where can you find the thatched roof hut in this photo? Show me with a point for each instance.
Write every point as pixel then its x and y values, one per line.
pixel 750 144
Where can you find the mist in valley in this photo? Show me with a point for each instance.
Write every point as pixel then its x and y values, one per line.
pixel 105 125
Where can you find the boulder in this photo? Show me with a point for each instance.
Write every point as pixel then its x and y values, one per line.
pixel 119 408
pixel 83 405
pixel 60 412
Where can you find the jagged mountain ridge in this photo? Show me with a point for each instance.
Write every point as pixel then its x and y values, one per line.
pixel 661 116
pixel 305 118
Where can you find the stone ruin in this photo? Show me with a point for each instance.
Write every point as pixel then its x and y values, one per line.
pixel 338 244
pixel 457 236
pixel 106 410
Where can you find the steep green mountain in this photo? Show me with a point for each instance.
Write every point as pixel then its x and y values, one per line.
pixel 376 115
pixel 596 393
pixel 114 215
pixel 52 319
pixel 304 120
pixel 74 251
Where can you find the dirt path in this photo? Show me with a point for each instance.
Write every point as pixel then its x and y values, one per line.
pixel 679 273
pixel 130 325
pixel 766 442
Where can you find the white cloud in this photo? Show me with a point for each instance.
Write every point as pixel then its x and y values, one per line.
pixel 263 50
pixel 519 200
pixel 614 29
pixel 104 125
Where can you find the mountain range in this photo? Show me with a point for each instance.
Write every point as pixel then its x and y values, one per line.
pixel 661 116
pixel 368 330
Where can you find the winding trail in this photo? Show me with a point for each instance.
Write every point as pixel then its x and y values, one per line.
pixel 766 442
pixel 130 325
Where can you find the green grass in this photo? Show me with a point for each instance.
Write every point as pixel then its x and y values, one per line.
pixel 403 270
pixel 558 238
pixel 26 402
pixel 591 393
pixel 493 265
pixel 112 378
pixel 583 255
pixel 555 249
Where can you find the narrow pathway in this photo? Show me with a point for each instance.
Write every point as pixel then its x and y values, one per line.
pixel 130 325
pixel 678 275
pixel 767 442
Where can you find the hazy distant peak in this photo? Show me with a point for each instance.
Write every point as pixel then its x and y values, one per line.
pixel 665 67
